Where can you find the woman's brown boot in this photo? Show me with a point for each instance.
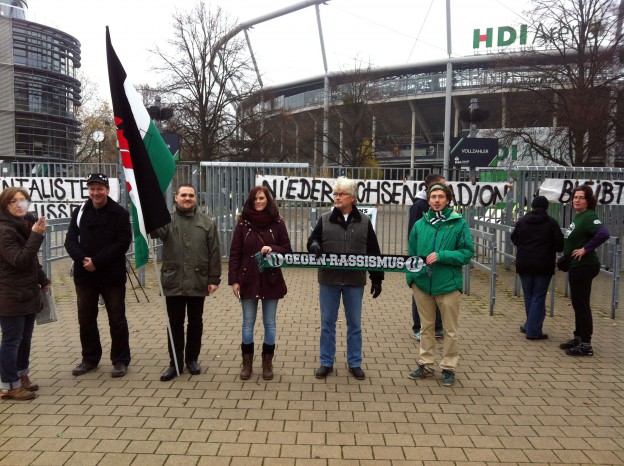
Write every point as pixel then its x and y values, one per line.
pixel 248 353
pixel 267 361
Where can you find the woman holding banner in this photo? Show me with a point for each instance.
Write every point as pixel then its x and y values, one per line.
pixel 582 237
pixel 260 228
pixel 21 278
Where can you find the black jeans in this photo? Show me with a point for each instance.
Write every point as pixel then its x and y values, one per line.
pixel 177 308
pixel 416 318
pixel 581 279
pixel 115 301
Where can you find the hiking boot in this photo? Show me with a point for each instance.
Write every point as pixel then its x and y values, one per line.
pixel 448 378
pixel 583 349
pixel 323 372
pixel 574 342
pixel 83 368
pixel 439 334
pixel 416 336
pixel 28 385
pixel 119 370
pixel 357 372
pixel 421 373
pixel 18 394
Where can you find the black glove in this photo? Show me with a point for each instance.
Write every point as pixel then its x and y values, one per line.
pixel 376 288
pixel 315 248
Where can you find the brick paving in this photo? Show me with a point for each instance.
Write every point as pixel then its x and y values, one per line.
pixel 515 401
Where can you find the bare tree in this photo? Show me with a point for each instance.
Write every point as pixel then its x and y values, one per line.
pixel 568 82
pixel 204 99
pixel 95 114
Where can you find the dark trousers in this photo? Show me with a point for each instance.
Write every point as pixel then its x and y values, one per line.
pixel 177 308
pixel 115 302
pixel 581 279
pixel 416 318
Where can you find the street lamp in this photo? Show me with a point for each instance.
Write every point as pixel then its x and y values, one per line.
pixel 98 136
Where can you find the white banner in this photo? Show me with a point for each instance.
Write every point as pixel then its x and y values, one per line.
pixel 608 192
pixel 56 197
pixel 377 192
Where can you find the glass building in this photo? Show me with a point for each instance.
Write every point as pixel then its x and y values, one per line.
pixel 39 93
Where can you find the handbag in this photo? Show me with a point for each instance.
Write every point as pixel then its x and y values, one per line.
pixel 48 308
pixel 563 263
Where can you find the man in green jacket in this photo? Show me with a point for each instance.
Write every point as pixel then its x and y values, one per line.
pixel 191 270
pixel 442 239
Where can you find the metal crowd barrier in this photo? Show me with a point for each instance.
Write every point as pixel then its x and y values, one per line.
pixel 611 247
pixel 485 247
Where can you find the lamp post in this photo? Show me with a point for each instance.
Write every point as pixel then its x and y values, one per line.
pixel 98 136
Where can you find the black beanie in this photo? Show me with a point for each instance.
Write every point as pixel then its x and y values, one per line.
pixel 539 202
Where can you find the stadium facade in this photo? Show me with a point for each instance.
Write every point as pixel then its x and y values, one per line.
pixel 408 108
pixel 39 92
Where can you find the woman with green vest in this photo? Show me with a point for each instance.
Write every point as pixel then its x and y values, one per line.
pixel 582 237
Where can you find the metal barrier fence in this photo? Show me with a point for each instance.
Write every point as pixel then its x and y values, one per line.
pixel 501 234
pixel 223 187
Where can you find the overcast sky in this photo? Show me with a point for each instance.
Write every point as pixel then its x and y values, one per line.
pixel 381 33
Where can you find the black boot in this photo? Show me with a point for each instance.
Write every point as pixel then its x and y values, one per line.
pixel 267 361
pixel 248 352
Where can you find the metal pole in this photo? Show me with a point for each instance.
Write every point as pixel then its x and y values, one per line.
pixel 449 89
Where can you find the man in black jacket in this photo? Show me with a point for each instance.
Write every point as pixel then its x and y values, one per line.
pixel 98 237
pixel 343 230
pixel 538 238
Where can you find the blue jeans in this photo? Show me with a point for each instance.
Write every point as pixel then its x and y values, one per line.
pixel 15 349
pixel 269 314
pixel 329 298
pixel 535 289
pixel 416 319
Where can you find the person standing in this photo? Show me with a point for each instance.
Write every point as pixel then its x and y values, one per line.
pixel 537 237
pixel 260 228
pixel 443 238
pixel 21 278
pixel 416 212
pixel 343 230
pixel 582 237
pixel 191 270
pixel 98 237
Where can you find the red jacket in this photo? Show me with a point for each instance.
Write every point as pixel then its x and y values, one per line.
pixel 243 269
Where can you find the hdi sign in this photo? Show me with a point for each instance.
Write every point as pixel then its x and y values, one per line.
pixel 509 35
pixel 505 35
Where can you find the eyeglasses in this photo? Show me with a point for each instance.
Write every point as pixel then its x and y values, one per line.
pixel 341 194
pixel 19 202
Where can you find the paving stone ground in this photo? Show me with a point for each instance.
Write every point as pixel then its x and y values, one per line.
pixel 515 401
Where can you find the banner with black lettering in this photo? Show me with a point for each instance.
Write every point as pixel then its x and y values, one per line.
pixel 608 192
pixel 56 197
pixel 382 263
pixel 376 192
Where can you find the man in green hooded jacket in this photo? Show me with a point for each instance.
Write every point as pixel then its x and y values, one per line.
pixel 442 239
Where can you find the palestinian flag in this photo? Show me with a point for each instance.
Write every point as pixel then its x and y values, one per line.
pixel 146 159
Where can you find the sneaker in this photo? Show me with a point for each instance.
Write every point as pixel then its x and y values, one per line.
pixel 583 349
pixel 448 378
pixel 574 342
pixel 416 336
pixel 28 385
pixel 421 373
pixel 523 328
pixel 17 394
pixel 439 334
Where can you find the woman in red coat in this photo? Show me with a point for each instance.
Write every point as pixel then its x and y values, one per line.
pixel 260 228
